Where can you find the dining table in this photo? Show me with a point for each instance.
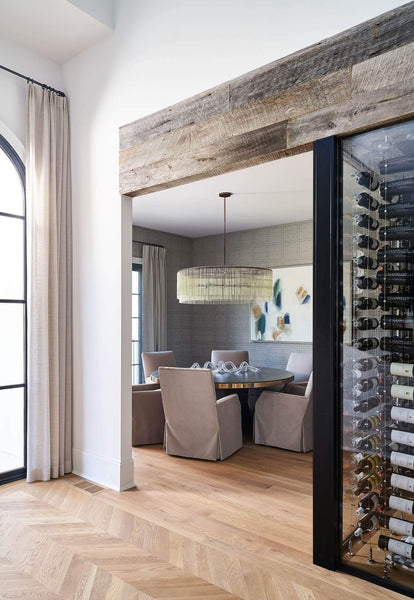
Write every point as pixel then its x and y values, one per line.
pixel 262 378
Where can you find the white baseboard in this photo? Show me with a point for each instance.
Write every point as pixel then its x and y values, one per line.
pixel 114 474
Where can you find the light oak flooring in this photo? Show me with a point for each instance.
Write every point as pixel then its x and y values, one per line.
pixel 190 530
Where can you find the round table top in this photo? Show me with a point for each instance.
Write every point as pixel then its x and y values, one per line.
pixel 265 377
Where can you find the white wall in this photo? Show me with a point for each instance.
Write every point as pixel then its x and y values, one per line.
pixel 13 89
pixel 162 51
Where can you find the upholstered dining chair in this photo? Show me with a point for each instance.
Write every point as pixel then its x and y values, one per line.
pixel 284 419
pixel 148 419
pixel 301 366
pixel 235 356
pixel 196 424
pixel 152 360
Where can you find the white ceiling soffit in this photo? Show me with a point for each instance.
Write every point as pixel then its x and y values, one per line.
pixel 55 29
pixel 273 193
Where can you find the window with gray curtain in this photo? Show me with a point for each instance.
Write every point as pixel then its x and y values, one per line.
pixel 154 299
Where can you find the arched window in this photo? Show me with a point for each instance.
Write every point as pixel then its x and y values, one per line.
pixel 12 315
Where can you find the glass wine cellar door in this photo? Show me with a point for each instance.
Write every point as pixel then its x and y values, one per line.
pixel 364 319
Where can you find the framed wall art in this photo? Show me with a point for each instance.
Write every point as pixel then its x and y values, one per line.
pixel 287 316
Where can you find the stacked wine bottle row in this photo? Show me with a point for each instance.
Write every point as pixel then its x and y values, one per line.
pixel 379 378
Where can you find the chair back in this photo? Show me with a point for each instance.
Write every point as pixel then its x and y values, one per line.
pixel 189 400
pixel 300 365
pixel 309 387
pixel 152 360
pixel 235 356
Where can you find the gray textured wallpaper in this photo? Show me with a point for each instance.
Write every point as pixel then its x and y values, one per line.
pixel 193 331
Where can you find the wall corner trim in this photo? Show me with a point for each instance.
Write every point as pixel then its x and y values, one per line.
pixel 114 474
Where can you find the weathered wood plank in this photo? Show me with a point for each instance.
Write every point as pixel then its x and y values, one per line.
pixel 312 95
pixel 211 159
pixel 350 82
pixel 392 68
pixel 361 112
pixel 187 112
pixel 381 34
pixel 376 36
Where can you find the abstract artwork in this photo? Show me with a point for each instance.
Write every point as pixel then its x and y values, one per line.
pixel 287 316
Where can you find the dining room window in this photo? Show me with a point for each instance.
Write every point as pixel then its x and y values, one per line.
pixel 136 323
pixel 13 391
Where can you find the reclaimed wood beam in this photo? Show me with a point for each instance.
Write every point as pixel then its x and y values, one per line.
pixel 352 81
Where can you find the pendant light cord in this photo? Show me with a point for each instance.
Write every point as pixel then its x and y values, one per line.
pixel 224 195
pixel 224 235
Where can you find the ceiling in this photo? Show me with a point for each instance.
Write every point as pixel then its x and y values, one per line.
pixel 273 193
pixel 55 29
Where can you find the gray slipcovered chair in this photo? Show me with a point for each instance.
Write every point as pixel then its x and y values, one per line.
pixel 152 360
pixel 196 424
pixel 284 419
pixel 235 356
pixel 148 419
pixel 301 366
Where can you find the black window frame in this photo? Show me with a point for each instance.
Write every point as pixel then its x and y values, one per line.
pixel 138 267
pixel 7 148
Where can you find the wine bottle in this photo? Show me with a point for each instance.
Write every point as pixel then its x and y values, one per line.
pixel 402 482
pixel 364 241
pixel 367 464
pixel 368 424
pixel 365 303
pixel 401 504
pixel 367 484
pixel 367 523
pixel 366 222
pixel 366 323
pixel 400 437
pixel 367 443
pixel 365 283
pixel 366 364
pixel 395 255
pixel 365 385
pixel 366 201
pixel 371 501
pixel 397 187
pixel 399 164
pixel 392 211
pixel 365 262
pixel 392 322
pixel 393 545
pixel 366 344
pixel 402 459
pixel 406 392
pixel 402 414
pixel 395 525
pixel 396 277
pixel 395 300
pixel 367 180
pixel 395 368
pixel 389 344
pixel 397 232
pixel 365 405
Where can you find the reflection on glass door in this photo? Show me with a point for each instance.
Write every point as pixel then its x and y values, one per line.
pixel 136 323
pixel 12 315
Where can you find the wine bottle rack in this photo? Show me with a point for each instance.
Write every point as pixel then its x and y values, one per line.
pixel 378 352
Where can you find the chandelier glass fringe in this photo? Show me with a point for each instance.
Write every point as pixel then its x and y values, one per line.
pixel 224 284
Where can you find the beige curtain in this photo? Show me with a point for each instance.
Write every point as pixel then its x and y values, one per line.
pixel 48 183
pixel 154 299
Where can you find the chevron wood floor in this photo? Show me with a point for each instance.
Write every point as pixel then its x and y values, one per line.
pixel 190 530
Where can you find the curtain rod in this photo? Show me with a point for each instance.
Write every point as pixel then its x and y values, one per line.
pixel 147 244
pixel 30 80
